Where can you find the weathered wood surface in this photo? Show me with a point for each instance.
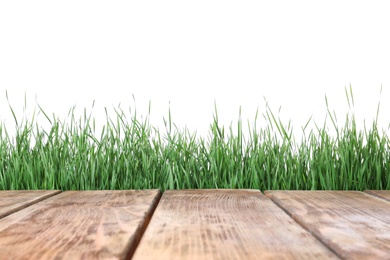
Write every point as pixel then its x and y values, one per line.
pixel 14 200
pixel 78 225
pixel 225 224
pixel 383 194
pixel 353 224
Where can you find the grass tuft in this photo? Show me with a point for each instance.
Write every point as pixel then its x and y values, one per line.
pixel 131 154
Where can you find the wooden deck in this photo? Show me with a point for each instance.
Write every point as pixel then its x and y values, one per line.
pixel 194 224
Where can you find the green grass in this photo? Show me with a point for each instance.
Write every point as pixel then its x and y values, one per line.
pixel 131 154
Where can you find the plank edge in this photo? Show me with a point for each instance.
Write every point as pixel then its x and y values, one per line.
pixel 140 231
pixel 278 203
pixel 28 204
pixel 374 194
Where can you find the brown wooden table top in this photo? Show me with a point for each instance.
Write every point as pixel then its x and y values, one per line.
pixel 194 224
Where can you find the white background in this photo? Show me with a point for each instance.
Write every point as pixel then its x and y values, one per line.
pixel 184 55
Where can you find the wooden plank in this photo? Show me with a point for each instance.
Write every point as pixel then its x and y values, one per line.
pixel 14 200
pixel 79 225
pixel 225 224
pixel 383 194
pixel 353 224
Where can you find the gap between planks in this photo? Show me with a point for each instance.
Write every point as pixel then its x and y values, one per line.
pixel 383 194
pixel 225 224
pixel 15 200
pixel 353 224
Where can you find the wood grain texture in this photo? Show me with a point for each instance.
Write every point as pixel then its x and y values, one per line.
pixel 353 224
pixel 14 200
pixel 383 194
pixel 225 224
pixel 78 225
